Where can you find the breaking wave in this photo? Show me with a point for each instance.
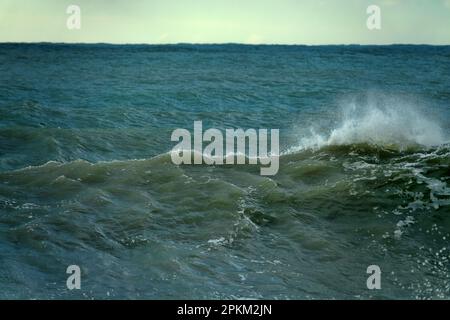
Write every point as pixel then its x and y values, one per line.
pixel 389 124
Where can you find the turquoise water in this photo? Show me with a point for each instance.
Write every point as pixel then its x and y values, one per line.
pixel 86 178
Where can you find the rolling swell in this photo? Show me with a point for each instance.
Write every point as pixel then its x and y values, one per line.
pixel 321 201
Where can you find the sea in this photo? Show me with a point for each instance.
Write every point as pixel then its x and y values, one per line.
pixel 86 176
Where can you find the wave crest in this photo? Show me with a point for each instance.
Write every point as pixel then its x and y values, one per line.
pixel 391 124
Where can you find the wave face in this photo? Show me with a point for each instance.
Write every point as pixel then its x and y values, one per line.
pixel 86 177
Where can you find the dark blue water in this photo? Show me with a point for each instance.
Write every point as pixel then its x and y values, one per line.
pixel 85 177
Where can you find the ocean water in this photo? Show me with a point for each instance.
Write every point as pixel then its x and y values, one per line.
pixel 86 178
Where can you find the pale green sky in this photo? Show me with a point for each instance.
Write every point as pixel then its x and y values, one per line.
pixel 219 21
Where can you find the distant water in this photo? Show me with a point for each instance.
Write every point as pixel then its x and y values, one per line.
pixel 85 177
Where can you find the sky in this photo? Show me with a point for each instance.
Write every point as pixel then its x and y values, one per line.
pixel 308 22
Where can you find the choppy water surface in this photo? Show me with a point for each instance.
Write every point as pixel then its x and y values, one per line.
pixel 85 177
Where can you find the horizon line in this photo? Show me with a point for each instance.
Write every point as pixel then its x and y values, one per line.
pixel 221 43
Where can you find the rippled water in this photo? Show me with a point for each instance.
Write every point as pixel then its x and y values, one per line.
pixel 85 177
